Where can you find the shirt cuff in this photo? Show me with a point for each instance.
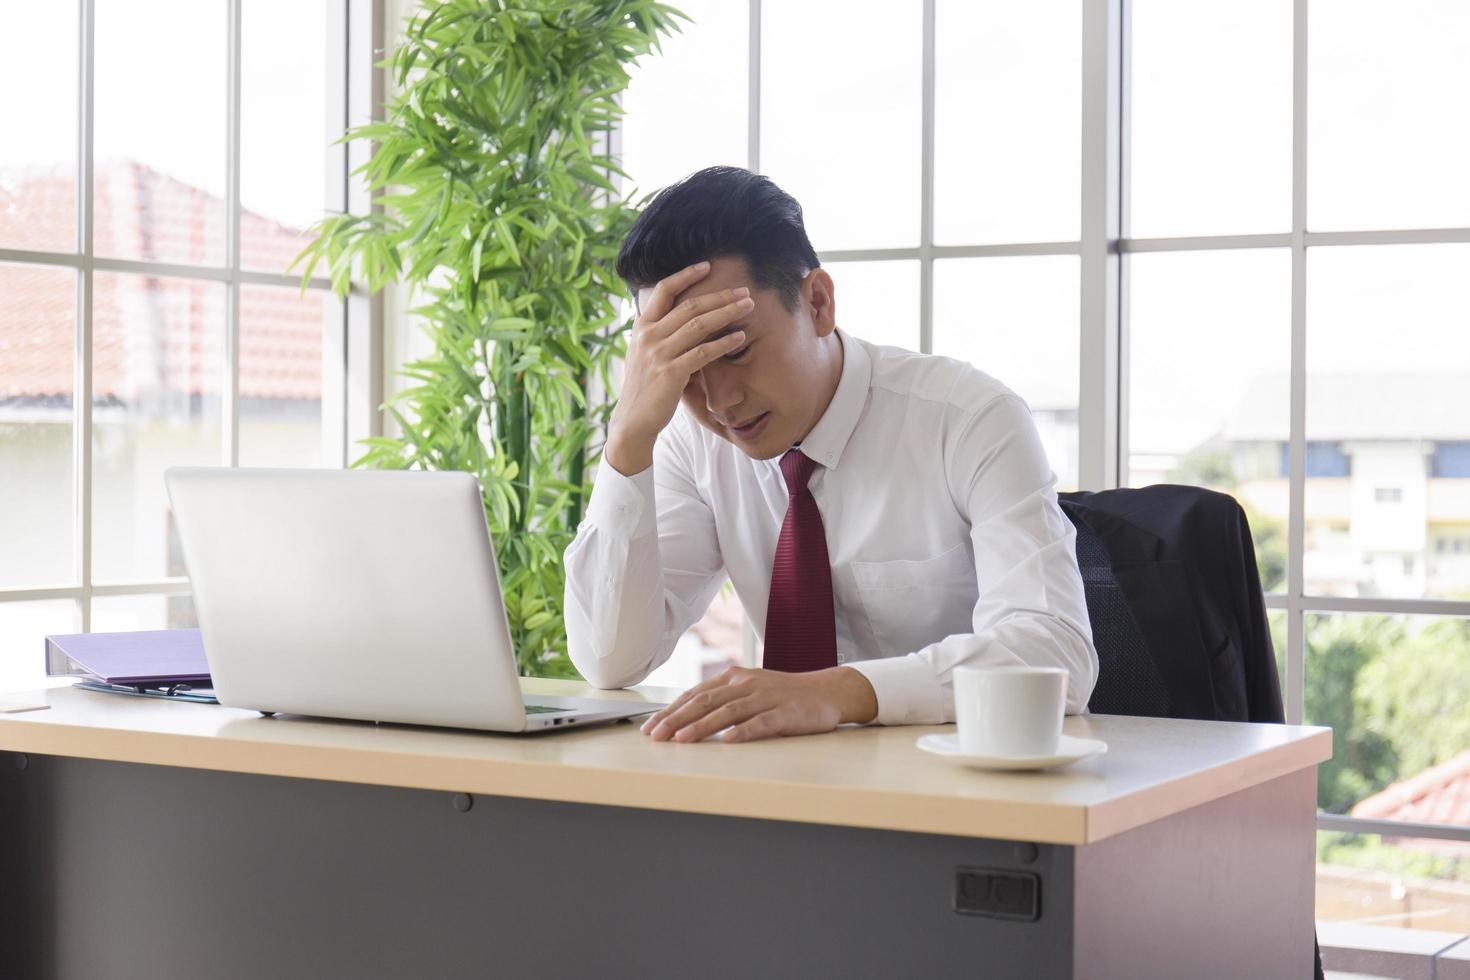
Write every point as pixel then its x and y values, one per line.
pixel 907 690
pixel 622 506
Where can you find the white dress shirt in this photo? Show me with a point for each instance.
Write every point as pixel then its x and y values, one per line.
pixel 947 544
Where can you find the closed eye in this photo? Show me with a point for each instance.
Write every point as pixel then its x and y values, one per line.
pixel 736 355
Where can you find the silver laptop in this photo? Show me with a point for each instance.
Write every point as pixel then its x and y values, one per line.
pixel 360 594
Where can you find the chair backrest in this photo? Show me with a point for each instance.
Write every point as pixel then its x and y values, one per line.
pixel 1128 682
pixel 1175 600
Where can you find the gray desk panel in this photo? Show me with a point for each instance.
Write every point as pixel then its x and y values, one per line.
pixel 123 871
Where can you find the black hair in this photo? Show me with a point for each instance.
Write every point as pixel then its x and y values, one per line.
pixel 721 211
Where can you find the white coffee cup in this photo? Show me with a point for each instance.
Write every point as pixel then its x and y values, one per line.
pixel 1010 711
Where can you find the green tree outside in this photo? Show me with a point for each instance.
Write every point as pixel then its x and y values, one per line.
pixel 1339 651
pixel 1416 695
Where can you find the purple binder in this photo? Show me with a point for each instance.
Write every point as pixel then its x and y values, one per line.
pixel 143 657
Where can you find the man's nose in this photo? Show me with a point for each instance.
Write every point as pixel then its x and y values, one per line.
pixel 721 390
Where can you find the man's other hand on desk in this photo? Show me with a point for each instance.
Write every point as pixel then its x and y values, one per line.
pixel 755 703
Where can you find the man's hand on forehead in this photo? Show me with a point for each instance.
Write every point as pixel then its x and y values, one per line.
pixel 645 296
pixel 670 341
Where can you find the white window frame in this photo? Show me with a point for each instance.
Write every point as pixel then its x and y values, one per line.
pixel 1104 242
pixel 352 338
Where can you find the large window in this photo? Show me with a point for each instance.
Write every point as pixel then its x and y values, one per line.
pixel 147 219
pixel 1224 245
pixel 1298 334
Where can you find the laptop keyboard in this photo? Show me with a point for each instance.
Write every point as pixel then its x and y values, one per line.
pixel 541 709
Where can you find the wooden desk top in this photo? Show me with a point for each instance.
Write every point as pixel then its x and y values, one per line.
pixel 856 776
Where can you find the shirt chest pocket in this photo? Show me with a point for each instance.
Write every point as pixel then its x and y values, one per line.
pixel 911 604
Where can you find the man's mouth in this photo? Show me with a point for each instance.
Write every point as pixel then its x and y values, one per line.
pixel 750 425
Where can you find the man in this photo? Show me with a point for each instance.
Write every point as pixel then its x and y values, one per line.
pixel 884 516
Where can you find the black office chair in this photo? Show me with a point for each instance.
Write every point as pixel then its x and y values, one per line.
pixel 1119 533
pixel 1128 680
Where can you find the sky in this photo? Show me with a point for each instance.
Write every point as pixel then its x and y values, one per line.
pixel 1389 142
pixel 163 102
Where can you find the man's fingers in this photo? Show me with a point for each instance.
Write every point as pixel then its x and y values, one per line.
pixel 701 313
pixel 661 300
pixel 709 351
pixel 729 676
pixel 696 707
pixel 719 680
pixel 710 317
pixel 652 721
pixel 763 725
pixel 730 713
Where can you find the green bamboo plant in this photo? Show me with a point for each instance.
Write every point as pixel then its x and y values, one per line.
pixel 498 205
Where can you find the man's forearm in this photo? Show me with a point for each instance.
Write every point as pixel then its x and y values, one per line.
pixel 613 614
pixel 613 619
pixel 627 452
pixel 623 617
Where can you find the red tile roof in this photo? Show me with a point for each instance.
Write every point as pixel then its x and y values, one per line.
pixel 1439 794
pixel 151 335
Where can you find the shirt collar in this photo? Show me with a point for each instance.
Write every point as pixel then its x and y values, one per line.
pixel 830 435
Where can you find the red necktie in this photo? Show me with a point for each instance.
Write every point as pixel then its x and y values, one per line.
pixel 801 624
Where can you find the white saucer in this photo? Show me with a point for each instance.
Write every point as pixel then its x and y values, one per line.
pixel 1069 750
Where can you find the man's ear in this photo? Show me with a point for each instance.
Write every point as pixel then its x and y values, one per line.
pixel 818 293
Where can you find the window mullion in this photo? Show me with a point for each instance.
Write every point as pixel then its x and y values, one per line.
pixel 363 328
pixel 230 409
pixel 1297 444
pixel 753 91
pixel 926 184
pixel 1099 417
pixel 82 383
pixel 334 199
